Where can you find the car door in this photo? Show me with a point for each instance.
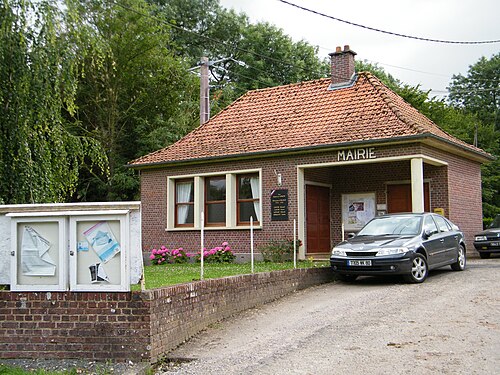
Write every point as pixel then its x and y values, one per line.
pixel 450 238
pixel 433 243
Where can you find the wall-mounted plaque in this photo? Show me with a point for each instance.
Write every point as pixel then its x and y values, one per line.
pixel 279 205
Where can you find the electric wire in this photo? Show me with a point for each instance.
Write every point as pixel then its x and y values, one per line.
pixel 388 32
pixel 260 55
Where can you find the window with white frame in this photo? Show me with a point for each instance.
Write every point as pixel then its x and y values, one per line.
pixel 226 200
pixel 248 199
pixel 184 203
pixel 215 200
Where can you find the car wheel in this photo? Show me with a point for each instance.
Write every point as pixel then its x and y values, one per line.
pixel 460 263
pixel 419 269
pixel 484 255
pixel 347 278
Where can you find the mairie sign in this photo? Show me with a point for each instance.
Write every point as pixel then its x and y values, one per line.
pixel 356 154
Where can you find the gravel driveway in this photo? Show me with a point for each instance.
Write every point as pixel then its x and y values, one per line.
pixel 450 324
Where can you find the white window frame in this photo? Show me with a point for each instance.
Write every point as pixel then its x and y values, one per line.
pixel 199 200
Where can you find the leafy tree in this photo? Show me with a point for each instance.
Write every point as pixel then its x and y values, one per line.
pixel 250 56
pixel 39 157
pixel 272 58
pixel 134 96
pixel 478 93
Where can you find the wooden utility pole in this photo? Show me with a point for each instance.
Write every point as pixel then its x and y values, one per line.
pixel 204 92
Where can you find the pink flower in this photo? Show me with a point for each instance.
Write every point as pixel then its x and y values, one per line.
pixel 175 252
pixel 154 251
pixel 228 248
pixel 152 256
pixel 162 259
pixel 163 247
pixel 225 244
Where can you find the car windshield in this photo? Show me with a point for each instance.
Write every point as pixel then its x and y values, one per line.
pixel 395 225
pixel 496 222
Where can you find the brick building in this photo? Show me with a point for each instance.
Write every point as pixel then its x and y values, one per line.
pixel 329 153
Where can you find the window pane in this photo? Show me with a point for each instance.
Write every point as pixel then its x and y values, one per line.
pixel 248 187
pixel 185 214
pixel 443 227
pixel 245 189
pixel 247 210
pixel 216 189
pixel 216 213
pixel 184 191
pixel 430 225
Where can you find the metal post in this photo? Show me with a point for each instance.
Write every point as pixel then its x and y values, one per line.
pixel 204 91
pixel 251 242
pixel 294 243
pixel 202 222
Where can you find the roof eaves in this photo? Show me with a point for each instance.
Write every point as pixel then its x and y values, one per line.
pixel 477 155
pixel 279 152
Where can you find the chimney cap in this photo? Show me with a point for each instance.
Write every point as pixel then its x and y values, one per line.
pixel 339 51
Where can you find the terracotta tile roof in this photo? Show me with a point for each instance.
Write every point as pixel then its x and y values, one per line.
pixel 303 115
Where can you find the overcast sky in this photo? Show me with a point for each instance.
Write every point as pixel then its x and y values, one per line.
pixel 412 61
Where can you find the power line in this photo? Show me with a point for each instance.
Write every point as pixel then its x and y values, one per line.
pixel 389 32
pixel 257 54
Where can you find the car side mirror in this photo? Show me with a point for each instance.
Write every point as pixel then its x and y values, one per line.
pixel 351 235
pixel 427 234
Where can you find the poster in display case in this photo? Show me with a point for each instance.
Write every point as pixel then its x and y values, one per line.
pixel 357 210
pixel 39 248
pixel 99 253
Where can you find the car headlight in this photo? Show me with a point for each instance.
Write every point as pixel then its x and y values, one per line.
pixel 480 238
pixel 338 252
pixel 392 251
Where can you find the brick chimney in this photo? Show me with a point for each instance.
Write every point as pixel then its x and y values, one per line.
pixel 342 67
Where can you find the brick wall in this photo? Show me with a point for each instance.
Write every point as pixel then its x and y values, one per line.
pixel 95 326
pixel 137 326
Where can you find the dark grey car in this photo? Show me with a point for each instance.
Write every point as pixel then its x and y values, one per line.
pixel 488 241
pixel 400 244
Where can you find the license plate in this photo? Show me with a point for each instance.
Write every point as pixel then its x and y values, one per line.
pixel 359 262
pixel 495 244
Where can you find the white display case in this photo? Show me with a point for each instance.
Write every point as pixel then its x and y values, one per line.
pixel 99 252
pixel 74 250
pixel 39 253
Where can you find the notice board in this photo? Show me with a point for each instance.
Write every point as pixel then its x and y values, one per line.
pixel 279 205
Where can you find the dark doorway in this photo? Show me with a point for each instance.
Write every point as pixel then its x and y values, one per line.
pixel 399 198
pixel 318 219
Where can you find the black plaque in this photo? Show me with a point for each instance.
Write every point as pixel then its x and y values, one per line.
pixel 279 205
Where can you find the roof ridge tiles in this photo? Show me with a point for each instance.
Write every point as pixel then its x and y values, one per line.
pixel 381 88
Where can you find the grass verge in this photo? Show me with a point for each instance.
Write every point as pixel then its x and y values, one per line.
pixel 171 274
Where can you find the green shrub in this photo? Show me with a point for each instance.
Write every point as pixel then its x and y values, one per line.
pixel 278 250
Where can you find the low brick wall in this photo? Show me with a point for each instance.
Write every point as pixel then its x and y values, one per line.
pixel 137 326
pixel 96 326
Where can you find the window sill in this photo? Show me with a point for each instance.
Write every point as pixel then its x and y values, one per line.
pixel 190 229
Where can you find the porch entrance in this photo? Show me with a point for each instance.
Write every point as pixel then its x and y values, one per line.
pixel 399 198
pixel 318 219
